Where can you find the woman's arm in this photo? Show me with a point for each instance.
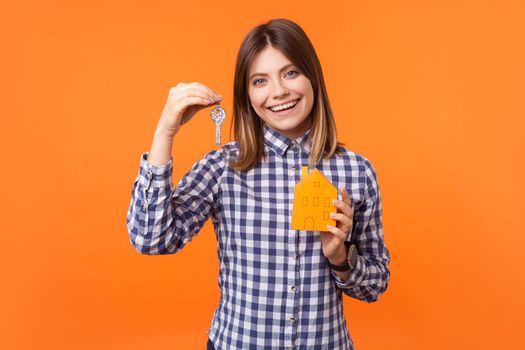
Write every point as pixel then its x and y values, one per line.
pixel 371 276
pixel 162 219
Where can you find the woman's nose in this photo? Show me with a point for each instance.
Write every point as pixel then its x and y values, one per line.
pixel 279 90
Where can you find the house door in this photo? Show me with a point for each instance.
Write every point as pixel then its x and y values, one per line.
pixel 309 223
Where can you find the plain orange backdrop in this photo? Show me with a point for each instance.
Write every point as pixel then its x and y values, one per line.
pixel 432 92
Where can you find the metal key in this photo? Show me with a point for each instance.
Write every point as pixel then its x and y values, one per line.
pixel 218 115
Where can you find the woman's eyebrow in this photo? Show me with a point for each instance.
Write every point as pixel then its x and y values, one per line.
pixel 280 70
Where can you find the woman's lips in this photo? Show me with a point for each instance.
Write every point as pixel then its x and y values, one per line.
pixel 286 111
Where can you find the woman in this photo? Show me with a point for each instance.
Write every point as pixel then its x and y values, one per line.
pixel 280 287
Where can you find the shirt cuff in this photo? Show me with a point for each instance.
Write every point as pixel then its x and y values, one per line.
pixel 356 276
pixel 154 176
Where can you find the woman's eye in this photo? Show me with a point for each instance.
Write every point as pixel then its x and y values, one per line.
pixel 258 81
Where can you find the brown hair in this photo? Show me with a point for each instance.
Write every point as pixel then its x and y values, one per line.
pixel 292 41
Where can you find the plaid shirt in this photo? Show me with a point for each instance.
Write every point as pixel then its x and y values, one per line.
pixel 277 290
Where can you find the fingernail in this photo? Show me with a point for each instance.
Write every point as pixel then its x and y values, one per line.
pixel 329 227
pixel 217 97
pixel 332 215
pixel 335 201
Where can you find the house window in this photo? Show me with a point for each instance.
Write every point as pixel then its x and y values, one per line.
pixel 317 184
pixel 305 201
pixel 326 202
pixel 316 201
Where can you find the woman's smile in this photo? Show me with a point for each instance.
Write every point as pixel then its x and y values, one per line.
pixel 285 108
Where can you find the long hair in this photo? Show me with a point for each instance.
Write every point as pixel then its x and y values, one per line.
pixel 293 42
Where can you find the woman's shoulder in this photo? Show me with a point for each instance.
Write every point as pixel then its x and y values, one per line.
pixel 230 149
pixel 353 158
pixel 220 156
pixel 359 165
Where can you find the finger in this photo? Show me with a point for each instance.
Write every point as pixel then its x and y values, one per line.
pixel 192 91
pixel 344 221
pixel 337 232
pixel 216 96
pixel 196 100
pixel 345 196
pixel 344 208
pixel 196 104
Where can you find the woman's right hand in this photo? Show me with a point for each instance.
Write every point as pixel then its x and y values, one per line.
pixel 184 100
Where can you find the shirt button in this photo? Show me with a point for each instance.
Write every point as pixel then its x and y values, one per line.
pixel 149 174
pixel 296 257
pixel 294 288
pixel 293 167
pixel 292 320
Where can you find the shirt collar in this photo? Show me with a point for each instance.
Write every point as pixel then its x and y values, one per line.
pixel 280 143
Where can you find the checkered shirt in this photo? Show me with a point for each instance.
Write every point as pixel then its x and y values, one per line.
pixel 277 290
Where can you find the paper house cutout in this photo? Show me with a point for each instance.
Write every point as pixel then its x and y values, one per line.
pixel 312 204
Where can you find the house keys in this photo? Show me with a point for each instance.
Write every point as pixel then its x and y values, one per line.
pixel 218 115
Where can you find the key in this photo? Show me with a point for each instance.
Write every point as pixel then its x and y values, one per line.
pixel 218 115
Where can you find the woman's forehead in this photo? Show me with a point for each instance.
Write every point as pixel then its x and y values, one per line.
pixel 268 60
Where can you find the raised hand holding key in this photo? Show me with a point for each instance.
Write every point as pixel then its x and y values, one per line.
pixel 183 102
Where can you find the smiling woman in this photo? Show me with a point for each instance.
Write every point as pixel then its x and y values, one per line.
pixel 280 287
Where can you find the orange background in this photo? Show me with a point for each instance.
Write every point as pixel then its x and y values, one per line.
pixel 430 91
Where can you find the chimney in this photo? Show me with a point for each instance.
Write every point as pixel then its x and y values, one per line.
pixel 304 171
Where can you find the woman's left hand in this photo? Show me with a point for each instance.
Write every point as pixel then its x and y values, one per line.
pixel 332 241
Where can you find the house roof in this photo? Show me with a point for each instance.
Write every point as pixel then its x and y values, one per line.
pixel 314 175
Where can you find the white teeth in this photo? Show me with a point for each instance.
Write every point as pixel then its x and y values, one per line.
pixel 281 107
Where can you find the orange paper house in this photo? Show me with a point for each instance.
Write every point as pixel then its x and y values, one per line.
pixel 313 202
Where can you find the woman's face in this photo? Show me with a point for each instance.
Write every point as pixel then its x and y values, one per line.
pixel 275 82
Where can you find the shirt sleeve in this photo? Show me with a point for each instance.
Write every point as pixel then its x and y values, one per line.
pixel 161 219
pixel 371 275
